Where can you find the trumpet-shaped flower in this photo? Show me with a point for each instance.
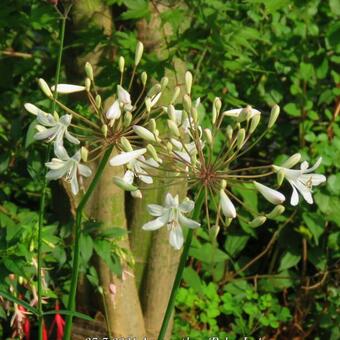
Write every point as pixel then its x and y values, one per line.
pixel 121 104
pixel 172 215
pixel 54 128
pixel 302 180
pixel 67 167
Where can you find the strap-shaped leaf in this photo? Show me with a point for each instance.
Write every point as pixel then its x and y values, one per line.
pixel 12 298
pixel 67 312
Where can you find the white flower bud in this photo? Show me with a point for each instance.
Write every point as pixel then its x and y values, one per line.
pixel 241 135
pixel 208 136
pixel 84 153
pixel 154 90
pixel 194 114
pixel 187 103
pixel 217 104
pixel 98 101
pixel 104 130
pixel 144 78
pixel 291 161
pixel 169 146
pixel 223 184
pixel 152 151
pixel 171 113
pixel 213 232
pixel 55 115
pixel 188 82
pixel 254 123
pixel 45 88
pixel 33 109
pixel 121 64
pixel 227 205
pixel 173 128
pixel 137 194
pixel 127 119
pixel 257 221
pixel 139 52
pixel 148 104
pixel 271 195
pixel 164 82
pixel 89 70
pixel 126 144
pixel 153 125
pixel 277 211
pixel 214 114
pixel 87 84
pixel 144 133
pixel 280 176
pixel 274 114
pixel 175 95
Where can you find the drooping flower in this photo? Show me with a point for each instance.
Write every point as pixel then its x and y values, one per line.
pixel 121 104
pixel 227 206
pixel 68 88
pixel 67 167
pixel 271 195
pixel 59 323
pixel 172 215
pixel 126 157
pixel 53 128
pixel 302 180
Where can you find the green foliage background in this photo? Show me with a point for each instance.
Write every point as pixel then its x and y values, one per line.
pixel 256 52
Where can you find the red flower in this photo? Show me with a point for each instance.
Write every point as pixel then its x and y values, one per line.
pixel 59 322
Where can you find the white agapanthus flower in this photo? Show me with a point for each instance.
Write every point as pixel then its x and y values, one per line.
pixel 172 215
pixel 185 152
pixel 242 114
pixel 120 105
pixel 227 206
pixel 67 167
pixel 271 195
pixel 302 180
pixel 54 128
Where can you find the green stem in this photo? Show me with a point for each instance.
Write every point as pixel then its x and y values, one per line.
pixel 181 265
pixel 78 230
pixel 43 191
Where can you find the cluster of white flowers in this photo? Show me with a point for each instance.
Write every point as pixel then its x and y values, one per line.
pixel 201 157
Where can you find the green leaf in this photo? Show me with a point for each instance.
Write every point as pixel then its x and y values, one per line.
pixel 30 133
pixel 315 224
pixel 288 260
pixel 235 242
pixel 136 9
pixel 191 277
pixel 114 232
pixel 68 312
pixel 19 302
pixel 335 6
pixel 86 247
pixel 208 253
pixel 292 109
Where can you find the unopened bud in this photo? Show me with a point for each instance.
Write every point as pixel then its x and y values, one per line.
pixel 241 135
pixel 45 88
pixel 98 101
pixel 55 115
pixel 228 221
pixel 121 63
pixel 292 160
pixel 217 105
pixel 84 152
pixel 139 52
pixel 164 82
pixel 144 78
pixel 254 123
pixel 171 113
pixel 176 94
pixel 148 104
pixel 20 280
pixel 173 127
pixel 277 211
pixel 137 194
pixel 274 114
pixel 187 103
pixel 194 114
pixel 280 177
pixel 89 70
pixel 104 130
pixel 127 119
pixel 153 125
pixel 214 115
pixel 100 290
pixel 144 133
pixel 257 221
pixel 126 144
pixel 87 84
pixel 223 184
pixel 124 185
pixel 229 132
pixel 208 136
pixel 169 146
pixel 152 151
pixel 154 90
pixel 188 82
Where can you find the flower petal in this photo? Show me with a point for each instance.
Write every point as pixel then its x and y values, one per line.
pixel 294 200
pixel 71 138
pixel 155 209
pixel 48 133
pixel 176 238
pixel 187 222
pixel 187 205
pixel 154 224
pixel 114 111
pixel 126 157
pixel 84 170
pixel 123 95
pixel 33 109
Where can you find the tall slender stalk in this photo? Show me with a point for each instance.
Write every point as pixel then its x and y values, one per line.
pixel 43 191
pixel 78 230
pixel 181 265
